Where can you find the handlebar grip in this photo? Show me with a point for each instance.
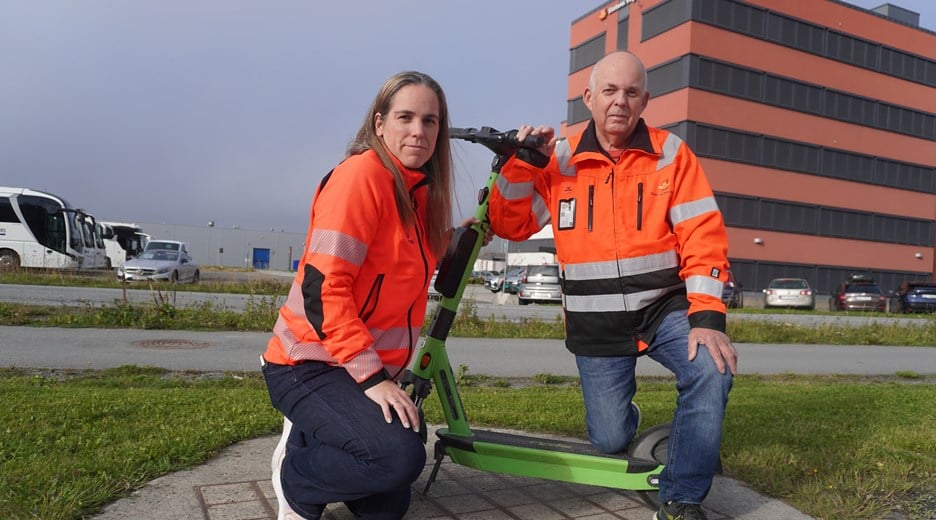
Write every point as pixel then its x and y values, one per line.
pixel 531 141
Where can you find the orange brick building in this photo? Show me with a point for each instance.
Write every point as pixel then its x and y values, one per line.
pixel 815 122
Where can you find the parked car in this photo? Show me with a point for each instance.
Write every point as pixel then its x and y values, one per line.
pixel 731 294
pixel 513 279
pixel 915 296
pixel 540 283
pixel 160 264
pixel 858 293
pixel 789 292
pixel 495 282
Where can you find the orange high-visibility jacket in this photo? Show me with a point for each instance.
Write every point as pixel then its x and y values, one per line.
pixel 635 239
pixel 359 297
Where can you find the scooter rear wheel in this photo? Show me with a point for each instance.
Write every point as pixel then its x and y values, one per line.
pixel 651 445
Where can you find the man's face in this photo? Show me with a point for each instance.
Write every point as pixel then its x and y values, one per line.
pixel 618 99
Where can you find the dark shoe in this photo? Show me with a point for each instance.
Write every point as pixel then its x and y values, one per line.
pixel 680 511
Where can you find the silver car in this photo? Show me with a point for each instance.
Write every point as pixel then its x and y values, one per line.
pixel 160 264
pixel 496 282
pixel 540 283
pixel 789 292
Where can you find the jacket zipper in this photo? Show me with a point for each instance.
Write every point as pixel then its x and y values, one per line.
pixel 409 313
pixel 591 205
pixel 368 308
pixel 639 205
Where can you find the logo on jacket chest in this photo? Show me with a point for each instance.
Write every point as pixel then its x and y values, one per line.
pixel 663 188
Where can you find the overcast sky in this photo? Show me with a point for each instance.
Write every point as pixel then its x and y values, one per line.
pixel 185 111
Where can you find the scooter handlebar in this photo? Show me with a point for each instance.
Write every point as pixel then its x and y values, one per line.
pixel 501 143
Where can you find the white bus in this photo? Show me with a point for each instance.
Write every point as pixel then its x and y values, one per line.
pixel 38 229
pixel 123 241
pixel 94 252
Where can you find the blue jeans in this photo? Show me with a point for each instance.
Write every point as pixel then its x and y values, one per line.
pixel 608 385
pixel 340 448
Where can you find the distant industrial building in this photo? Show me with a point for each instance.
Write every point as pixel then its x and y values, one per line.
pixel 232 246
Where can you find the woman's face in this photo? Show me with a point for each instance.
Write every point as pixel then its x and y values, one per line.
pixel 410 127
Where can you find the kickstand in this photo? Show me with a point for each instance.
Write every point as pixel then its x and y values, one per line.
pixel 439 456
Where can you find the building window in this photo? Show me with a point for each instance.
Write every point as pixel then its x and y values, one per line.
pixel 664 16
pixel 669 77
pixel 587 54
pixel 744 147
pixel 758 22
pixel 741 82
pixel 807 219
pixel 577 111
pixel 622 29
pixel 848 49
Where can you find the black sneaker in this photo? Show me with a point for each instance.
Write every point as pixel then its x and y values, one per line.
pixel 680 511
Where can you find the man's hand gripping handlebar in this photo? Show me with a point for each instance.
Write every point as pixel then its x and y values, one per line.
pixel 501 143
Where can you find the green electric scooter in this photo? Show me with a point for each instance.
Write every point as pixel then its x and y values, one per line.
pixel 499 452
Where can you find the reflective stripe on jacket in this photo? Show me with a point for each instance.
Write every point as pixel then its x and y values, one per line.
pixel 636 238
pixel 359 297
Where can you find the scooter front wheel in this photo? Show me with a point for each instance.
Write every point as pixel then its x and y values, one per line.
pixel 651 445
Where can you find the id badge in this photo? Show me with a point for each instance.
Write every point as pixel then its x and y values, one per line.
pixel 566 213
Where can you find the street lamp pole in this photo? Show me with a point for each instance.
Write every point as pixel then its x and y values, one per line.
pixel 210 225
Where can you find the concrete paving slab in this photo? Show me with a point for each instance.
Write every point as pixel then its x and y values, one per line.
pixel 236 485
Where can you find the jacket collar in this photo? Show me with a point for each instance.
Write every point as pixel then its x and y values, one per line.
pixel 640 140
pixel 412 178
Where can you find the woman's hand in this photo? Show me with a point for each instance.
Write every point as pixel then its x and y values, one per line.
pixel 392 398
pixel 488 233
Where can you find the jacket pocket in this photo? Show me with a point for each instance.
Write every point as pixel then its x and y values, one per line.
pixel 373 297
pixel 639 205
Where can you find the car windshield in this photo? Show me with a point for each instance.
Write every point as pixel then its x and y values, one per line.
pixel 162 245
pixel 863 288
pixel 788 284
pixel 159 254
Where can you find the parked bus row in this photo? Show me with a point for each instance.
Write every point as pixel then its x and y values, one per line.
pixel 42 230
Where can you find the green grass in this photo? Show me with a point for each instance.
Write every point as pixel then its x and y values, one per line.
pixel 851 447
pixel 69 446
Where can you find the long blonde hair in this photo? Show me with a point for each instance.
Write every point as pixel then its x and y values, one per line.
pixel 438 168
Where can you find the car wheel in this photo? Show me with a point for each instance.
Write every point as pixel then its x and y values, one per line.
pixel 524 302
pixel 196 277
pixel 174 277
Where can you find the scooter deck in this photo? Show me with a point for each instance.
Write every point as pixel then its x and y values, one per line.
pixel 553 459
